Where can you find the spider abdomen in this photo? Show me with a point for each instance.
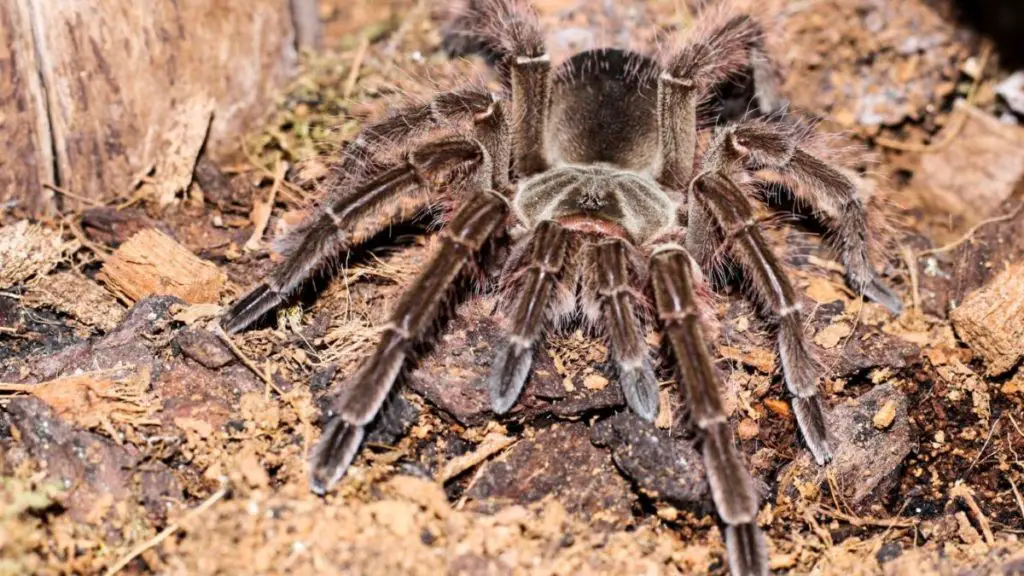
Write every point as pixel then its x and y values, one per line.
pixel 598 194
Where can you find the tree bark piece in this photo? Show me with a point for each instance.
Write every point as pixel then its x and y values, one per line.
pixel 95 94
pixel 152 263
pixel 991 320
pixel 27 164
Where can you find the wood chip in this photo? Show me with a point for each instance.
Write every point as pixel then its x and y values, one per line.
pixel 991 320
pixel 761 359
pixel 779 407
pixel 831 335
pixel 492 444
pixel 78 297
pixel 885 415
pixel 28 250
pixel 96 399
pixel 151 262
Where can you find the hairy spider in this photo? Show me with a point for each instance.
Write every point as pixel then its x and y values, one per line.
pixel 590 171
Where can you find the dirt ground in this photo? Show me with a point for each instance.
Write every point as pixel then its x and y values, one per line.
pixel 135 440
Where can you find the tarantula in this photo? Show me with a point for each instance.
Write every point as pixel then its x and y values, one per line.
pixel 590 171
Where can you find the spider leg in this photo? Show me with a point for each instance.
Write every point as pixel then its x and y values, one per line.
pixel 509 33
pixel 451 110
pixel 608 276
pixel 722 45
pixel 361 398
pixel 534 303
pixel 368 207
pixel 772 290
pixel 674 276
pixel 830 192
pixel 494 29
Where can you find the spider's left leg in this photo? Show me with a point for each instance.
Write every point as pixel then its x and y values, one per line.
pixel 608 287
pixel 675 277
pixel 830 192
pixel 537 297
pixel 356 406
pixel 771 288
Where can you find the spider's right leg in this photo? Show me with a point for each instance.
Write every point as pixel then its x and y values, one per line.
pixel 395 194
pixel 356 406
pixel 772 290
pixel 537 299
pixel 674 275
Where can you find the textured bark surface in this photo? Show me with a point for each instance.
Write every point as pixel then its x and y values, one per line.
pixel 153 263
pixel 124 89
pixel 991 320
pixel 26 162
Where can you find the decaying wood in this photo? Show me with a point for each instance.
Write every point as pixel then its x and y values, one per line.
pixel 116 90
pixel 991 320
pixel 27 160
pixel 152 263
pixel 29 250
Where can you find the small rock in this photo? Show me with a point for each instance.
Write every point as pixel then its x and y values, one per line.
pixel 394 422
pixel 747 429
pixel 832 335
pixel 663 467
pixel 203 347
pixel 1012 90
pixel 595 382
pixel 865 459
pixel 559 461
pixel 885 415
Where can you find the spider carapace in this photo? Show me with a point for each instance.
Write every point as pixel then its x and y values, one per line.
pixel 589 173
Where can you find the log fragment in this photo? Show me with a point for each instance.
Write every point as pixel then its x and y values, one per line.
pixel 152 263
pixel 991 320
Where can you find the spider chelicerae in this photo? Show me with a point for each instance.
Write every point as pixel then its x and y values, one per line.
pixel 591 174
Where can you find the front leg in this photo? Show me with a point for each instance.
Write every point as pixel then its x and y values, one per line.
pixel 725 47
pixel 361 399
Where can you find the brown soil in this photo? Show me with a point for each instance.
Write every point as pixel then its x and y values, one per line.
pixel 134 440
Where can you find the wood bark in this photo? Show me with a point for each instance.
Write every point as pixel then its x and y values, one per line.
pixel 95 94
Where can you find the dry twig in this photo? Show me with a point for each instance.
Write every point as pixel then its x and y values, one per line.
pixel 357 64
pixel 166 532
pixel 960 490
pixel 970 233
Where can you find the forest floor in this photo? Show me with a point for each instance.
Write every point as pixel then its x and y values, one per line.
pixel 135 440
